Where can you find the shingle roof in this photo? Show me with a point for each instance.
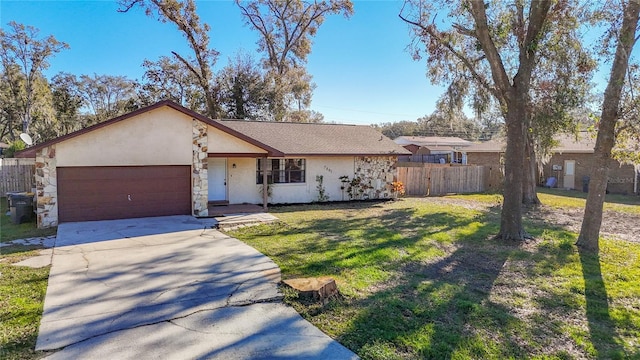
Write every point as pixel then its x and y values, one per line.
pixel 278 139
pixel 567 143
pixel 487 146
pixel 318 139
pixel 432 140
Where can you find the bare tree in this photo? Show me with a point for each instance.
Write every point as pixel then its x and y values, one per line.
pixel 286 29
pixel 183 15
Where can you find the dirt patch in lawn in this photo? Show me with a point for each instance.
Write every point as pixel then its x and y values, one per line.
pixel 615 224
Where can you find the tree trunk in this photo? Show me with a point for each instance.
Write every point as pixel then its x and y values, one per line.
pixel 590 231
pixel 511 219
pixel 279 108
pixel 530 181
pixel 515 97
pixel 212 106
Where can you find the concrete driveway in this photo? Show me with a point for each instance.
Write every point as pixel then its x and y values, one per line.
pixel 170 288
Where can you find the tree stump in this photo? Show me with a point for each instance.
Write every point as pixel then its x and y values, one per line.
pixel 317 289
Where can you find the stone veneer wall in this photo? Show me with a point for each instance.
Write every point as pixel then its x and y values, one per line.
pixel 200 182
pixel 46 187
pixel 378 172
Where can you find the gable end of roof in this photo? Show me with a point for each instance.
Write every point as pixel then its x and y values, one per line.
pixel 31 151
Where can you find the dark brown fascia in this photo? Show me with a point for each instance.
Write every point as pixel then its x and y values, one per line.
pixel 31 151
pixel 338 155
pixel 237 155
pixel 260 155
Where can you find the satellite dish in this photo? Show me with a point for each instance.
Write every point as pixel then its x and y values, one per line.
pixel 26 138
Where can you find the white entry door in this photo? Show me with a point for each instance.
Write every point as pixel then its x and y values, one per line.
pixel 569 174
pixel 217 176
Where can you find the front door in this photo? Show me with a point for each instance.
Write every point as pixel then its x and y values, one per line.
pixel 569 174
pixel 217 176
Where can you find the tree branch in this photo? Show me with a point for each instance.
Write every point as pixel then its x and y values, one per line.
pixel 127 5
pixel 466 61
pixel 500 78
pixel 464 31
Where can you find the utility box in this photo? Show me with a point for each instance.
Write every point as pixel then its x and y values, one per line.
pixel 21 208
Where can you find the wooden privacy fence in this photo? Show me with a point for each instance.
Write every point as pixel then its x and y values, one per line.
pixel 443 179
pixel 16 175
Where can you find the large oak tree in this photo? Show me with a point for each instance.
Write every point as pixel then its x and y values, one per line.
pixel 493 46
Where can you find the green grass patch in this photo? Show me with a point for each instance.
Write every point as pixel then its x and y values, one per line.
pixel 22 292
pixel 421 278
pixel 10 231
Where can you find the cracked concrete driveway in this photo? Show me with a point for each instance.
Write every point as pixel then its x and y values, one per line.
pixel 171 288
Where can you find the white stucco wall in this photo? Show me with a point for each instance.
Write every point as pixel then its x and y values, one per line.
pixel 243 187
pixel 159 137
pixel 221 142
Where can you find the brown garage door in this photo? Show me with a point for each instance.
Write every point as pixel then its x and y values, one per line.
pixel 120 192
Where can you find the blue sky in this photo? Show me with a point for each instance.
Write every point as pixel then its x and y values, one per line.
pixel 363 73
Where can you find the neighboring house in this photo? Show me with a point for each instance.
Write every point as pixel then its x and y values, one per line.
pixel 433 148
pixel 571 161
pixel 167 160
pixel 491 155
pixel 569 164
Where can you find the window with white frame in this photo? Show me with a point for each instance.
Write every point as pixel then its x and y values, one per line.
pixel 281 171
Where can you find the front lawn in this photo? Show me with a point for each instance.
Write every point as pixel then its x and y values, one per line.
pixel 421 278
pixel 10 231
pixel 22 289
pixel 22 292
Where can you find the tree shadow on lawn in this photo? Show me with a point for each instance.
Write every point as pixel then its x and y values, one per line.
pixel 437 308
pixel 568 298
pixel 601 325
pixel 392 238
pixel 432 307
pixel 442 306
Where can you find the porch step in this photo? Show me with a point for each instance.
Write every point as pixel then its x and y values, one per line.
pixel 232 222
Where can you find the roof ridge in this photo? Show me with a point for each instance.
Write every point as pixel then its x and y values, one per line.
pixel 287 122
